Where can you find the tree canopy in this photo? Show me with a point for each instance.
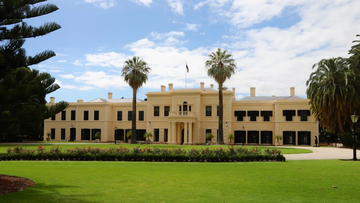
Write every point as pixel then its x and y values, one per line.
pixel 23 90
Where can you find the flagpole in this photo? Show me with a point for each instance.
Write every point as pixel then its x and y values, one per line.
pixel 186 77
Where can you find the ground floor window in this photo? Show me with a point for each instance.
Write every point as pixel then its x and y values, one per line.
pixel 63 133
pixel 253 137
pixel 165 135
pixel 239 136
pixel 93 133
pixel 52 133
pixel 85 134
pixel 72 134
pixel 156 135
pixel 304 137
pixel 140 134
pixel 206 132
pixel 120 134
pixel 289 137
pixel 266 137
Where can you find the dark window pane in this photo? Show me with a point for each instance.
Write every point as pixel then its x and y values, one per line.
pixel 289 137
pixel 52 133
pixel 165 135
pixel 96 115
pixel 156 111
pixel 240 115
pixel 217 111
pixel 53 117
pixel 266 115
pixel 129 115
pixel 86 115
pixel 206 132
pixel 156 135
pixel 93 132
pixel 63 133
pixel 304 137
pixel 289 114
pixel 253 115
pixel 253 137
pixel 141 115
pixel 208 110
pixel 119 115
pixel 303 114
pixel 189 108
pixel 85 134
pixel 266 137
pixel 73 115
pixel 63 115
pixel 166 110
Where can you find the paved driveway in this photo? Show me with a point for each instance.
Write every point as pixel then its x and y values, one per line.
pixel 323 153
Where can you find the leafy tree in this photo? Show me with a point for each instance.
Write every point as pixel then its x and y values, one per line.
pixel 221 66
pixel 354 59
pixel 22 90
pixel 332 93
pixel 135 73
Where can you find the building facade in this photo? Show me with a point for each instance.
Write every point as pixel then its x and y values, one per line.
pixel 185 116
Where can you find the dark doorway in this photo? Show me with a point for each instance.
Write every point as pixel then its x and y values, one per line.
pixel 289 137
pixel 120 134
pixel 240 136
pixel 72 134
pixel 140 134
pixel 182 136
pixel 266 137
pixel 304 137
pixel 253 137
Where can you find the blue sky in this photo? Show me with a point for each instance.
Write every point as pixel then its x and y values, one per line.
pixel 274 43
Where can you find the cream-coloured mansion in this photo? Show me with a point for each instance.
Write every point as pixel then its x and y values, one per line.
pixel 184 116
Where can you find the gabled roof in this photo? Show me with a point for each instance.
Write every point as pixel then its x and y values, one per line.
pixel 116 100
pixel 270 98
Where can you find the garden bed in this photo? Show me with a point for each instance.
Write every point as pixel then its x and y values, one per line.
pixel 231 154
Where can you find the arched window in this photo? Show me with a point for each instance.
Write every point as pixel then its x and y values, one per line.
pixel 185 106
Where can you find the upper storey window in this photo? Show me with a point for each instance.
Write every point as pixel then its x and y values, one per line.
pixel 303 114
pixel 253 115
pixel 240 115
pixel 156 110
pixel 166 110
pixel 266 115
pixel 208 110
pixel 289 114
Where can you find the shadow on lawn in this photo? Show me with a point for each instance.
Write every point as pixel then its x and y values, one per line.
pixel 44 193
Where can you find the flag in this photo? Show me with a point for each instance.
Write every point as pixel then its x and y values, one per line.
pixel 187 68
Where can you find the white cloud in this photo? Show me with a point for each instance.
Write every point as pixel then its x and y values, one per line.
pixel 176 6
pixel 55 71
pixel 143 2
pixel 60 54
pixel 160 36
pixel 67 76
pixel 65 86
pixel 105 4
pixel 192 27
pixel 61 61
pixel 100 79
pixel 110 59
pixel 77 63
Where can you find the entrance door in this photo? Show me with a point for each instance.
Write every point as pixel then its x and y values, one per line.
pixel 239 136
pixel 289 137
pixel 72 134
pixel 266 137
pixel 182 136
pixel 253 137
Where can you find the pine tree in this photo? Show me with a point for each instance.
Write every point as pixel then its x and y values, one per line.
pixel 23 90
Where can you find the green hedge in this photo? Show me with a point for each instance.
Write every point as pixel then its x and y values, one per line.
pixel 347 138
pixel 144 154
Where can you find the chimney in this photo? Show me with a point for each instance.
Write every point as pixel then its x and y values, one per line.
pixel 52 100
pixel 80 101
pixel 292 91
pixel 202 86
pixel 170 86
pixel 252 91
pixel 233 89
pixel 109 95
pixel 212 86
pixel 163 88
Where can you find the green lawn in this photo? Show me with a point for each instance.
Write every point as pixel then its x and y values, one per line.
pixel 106 146
pixel 291 181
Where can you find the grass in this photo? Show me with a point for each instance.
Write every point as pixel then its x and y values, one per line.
pixel 291 181
pixel 106 146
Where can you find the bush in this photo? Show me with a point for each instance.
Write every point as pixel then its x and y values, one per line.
pixel 347 139
pixel 144 154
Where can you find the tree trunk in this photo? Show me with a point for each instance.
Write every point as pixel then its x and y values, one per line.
pixel 133 122
pixel 221 113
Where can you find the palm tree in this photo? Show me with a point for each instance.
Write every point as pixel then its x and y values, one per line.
pixel 135 73
pixel 221 66
pixel 331 90
pixel 354 59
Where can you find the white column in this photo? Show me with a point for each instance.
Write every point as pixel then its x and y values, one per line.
pixel 190 133
pixel 173 135
pixel 185 133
